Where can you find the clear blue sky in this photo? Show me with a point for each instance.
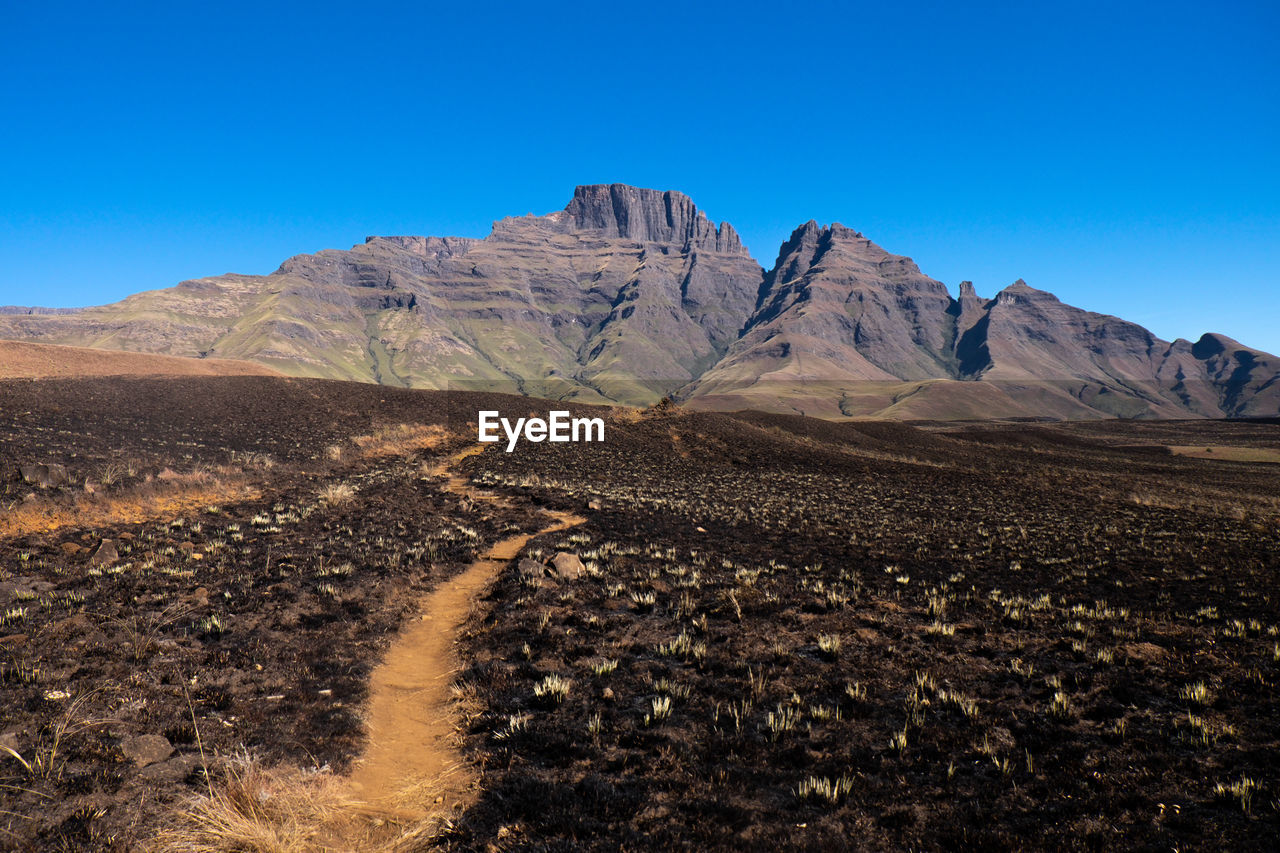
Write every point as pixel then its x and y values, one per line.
pixel 1125 156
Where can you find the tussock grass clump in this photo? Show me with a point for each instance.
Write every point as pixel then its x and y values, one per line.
pixel 829 645
pixel 604 666
pixel 1241 790
pixel 253 808
pixel 164 497
pixel 553 689
pixel 823 788
pixel 47 759
pixel 1060 707
pixel 1197 693
pixel 337 494
pixel 661 710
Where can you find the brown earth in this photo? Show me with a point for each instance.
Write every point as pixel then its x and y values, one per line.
pixel 23 360
pixel 1229 454
pixel 411 770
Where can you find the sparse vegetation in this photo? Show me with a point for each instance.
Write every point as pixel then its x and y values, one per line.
pixel 983 652
pixel 786 631
pixel 337 494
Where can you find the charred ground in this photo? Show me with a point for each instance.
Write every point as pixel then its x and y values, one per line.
pixel 791 633
pixel 218 626
pixel 813 635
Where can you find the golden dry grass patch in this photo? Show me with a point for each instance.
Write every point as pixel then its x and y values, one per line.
pixel 172 495
pixel 399 439
pixel 252 808
pixel 1225 453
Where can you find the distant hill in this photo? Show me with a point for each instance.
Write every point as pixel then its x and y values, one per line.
pixel 630 294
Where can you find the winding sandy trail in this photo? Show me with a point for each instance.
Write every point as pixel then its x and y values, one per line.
pixel 412 771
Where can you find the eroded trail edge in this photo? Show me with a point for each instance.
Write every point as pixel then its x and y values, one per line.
pixel 412 770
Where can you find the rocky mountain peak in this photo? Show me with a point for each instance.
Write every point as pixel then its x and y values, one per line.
pixel 645 215
pixel 969 310
pixel 811 233
pixel 1022 292
pixel 840 232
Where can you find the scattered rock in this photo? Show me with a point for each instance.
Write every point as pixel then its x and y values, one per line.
pixel 1000 738
pixel 595 503
pixel 1145 652
pixel 531 568
pixel 24 587
pixel 145 750
pixel 174 770
pixel 77 630
pixel 126 537
pixel 45 476
pixel 106 553
pixel 70 548
pixel 568 565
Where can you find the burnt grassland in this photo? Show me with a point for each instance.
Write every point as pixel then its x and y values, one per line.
pixel 244 627
pixel 802 635
pixel 790 633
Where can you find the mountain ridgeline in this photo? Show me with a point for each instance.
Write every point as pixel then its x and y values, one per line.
pixel 628 295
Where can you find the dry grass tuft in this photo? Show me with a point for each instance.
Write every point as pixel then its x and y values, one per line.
pixel 337 494
pixel 251 808
pixel 255 810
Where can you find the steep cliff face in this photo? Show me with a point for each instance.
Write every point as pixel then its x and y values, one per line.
pixel 628 294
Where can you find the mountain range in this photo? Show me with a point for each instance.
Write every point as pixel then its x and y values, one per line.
pixel 628 295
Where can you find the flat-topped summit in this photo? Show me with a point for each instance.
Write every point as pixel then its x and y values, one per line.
pixel 651 216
